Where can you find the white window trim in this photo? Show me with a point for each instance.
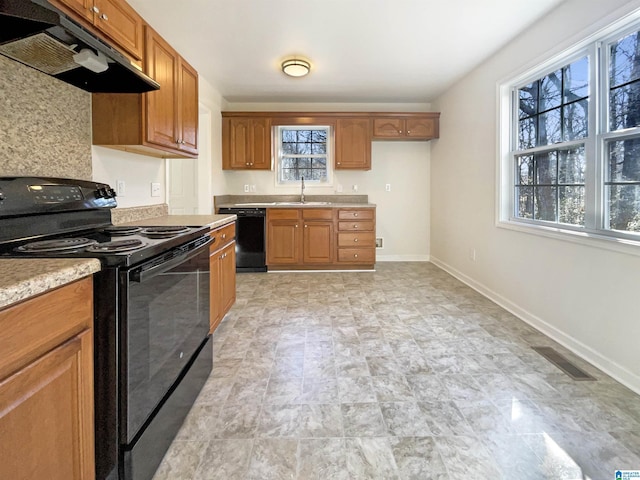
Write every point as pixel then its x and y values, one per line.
pixel 277 155
pixel 504 216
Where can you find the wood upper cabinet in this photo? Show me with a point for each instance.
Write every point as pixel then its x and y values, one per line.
pixel 405 127
pixel 114 18
pixel 353 144
pixel 46 386
pixel 162 123
pixel 246 143
pixel 222 262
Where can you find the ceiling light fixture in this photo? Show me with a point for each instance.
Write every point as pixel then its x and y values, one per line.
pixel 295 67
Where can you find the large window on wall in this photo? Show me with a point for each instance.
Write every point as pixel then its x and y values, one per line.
pixel 572 127
pixel 303 152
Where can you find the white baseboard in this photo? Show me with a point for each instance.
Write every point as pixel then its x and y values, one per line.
pixel 611 368
pixel 401 258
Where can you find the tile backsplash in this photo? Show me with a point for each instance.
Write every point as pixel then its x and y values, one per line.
pixel 45 124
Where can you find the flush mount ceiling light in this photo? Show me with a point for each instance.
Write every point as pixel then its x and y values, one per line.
pixel 295 67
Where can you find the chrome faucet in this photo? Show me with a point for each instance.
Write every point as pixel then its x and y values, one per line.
pixel 302 190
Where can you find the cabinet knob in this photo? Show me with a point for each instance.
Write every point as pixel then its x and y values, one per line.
pixel 355 255
pixel 355 214
pixel 355 239
pixel 306 226
pixel 408 132
pixel 400 132
pixel 355 226
pixel 104 17
pixel 224 235
pixel 95 9
pixel 296 225
pixel 246 163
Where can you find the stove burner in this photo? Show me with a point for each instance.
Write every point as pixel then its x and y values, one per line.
pixel 117 246
pixel 164 232
pixel 121 230
pixel 56 245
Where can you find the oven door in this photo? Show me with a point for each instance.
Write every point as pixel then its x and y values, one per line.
pixel 165 318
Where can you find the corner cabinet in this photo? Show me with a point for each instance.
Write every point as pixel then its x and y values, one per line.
pixel 353 144
pixel 222 262
pixel 246 143
pixel 46 386
pixel 162 123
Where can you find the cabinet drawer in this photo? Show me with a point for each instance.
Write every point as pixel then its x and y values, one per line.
pixel 357 255
pixel 317 213
pixel 222 235
pixel 356 225
pixel 356 214
pixel 362 239
pixel 283 214
pixel 35 326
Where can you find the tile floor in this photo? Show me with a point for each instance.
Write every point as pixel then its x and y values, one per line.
pixel 404 373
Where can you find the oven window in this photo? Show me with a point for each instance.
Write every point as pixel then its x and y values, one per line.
pixel 167 318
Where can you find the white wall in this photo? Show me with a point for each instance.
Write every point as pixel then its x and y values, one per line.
pixel 402 216
pixel 584 297
pixel 137 171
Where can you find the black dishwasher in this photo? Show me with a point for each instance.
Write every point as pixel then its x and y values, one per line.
pixel 250 238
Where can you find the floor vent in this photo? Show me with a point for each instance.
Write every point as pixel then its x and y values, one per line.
pixel 563 364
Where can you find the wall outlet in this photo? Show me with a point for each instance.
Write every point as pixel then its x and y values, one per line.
pixel 339 189
pixel 387 187
pixel 121 188
pixel 379 242
pixel 472 254
pixel 252 188
pixel 155 189
pixel 246 188
pixel 354 188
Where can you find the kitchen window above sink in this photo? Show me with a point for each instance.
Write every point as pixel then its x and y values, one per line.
pixel 303 151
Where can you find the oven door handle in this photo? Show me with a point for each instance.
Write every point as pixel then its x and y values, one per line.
pixel 139 275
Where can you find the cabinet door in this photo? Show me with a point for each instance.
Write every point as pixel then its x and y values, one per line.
pixel 283 242
pixel 353 143
pixel 188 108
pixel 46 415
pixel 215 301
pixel 236 138
pixel 83 8
pixel 317 242
pixel 162 65
pixel 424 128
pixel 388 127
pixel 228 277
pixel 122 24
pixel 260 144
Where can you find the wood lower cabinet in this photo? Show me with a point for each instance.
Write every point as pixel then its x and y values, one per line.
pixel 246 143
pixel 353 144
pixel 222 262
pixel 46 386
pixel 162 123
pixel 306 238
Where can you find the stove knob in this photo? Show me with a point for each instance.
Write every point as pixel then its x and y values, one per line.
pixel 1 196
pixel 111 193
pixel 102 193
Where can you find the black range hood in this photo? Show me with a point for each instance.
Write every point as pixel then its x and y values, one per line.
pixel 38 35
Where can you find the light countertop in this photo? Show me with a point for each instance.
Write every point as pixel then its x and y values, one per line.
pixel 297 205
pixel 21 279
pixel 213 221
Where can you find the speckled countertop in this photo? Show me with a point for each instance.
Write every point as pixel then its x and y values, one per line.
pixel 212 221
pixel 297 205
pixel 24 278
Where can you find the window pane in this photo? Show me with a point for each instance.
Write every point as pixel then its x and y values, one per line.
pixel 525 170
pixel 624 208
pixel 625 58
pixel 528 97
pixel 318 148
pixel 571 209
pixel 319 136
pixel 545 203
pixel 576 80
pixel 319 163
pixel 576 120
pixel 624 107
pixel 549 128
pixel 524 199
pixel 550 91
pixel 304 135
pixel 546 168
pixel 289 136
pixel 289 148
pixel 571 166
pixel 624 161
pixel 527 133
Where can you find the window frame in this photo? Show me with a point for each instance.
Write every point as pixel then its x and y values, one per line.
pixel 279 155
pixel 596 48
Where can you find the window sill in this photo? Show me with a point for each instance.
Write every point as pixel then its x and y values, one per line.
pixel 590 239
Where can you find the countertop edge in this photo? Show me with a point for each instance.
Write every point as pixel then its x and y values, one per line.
pixel 211 221
pixel 26 278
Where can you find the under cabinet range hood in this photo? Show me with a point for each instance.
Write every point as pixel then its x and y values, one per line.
pixel 36 34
